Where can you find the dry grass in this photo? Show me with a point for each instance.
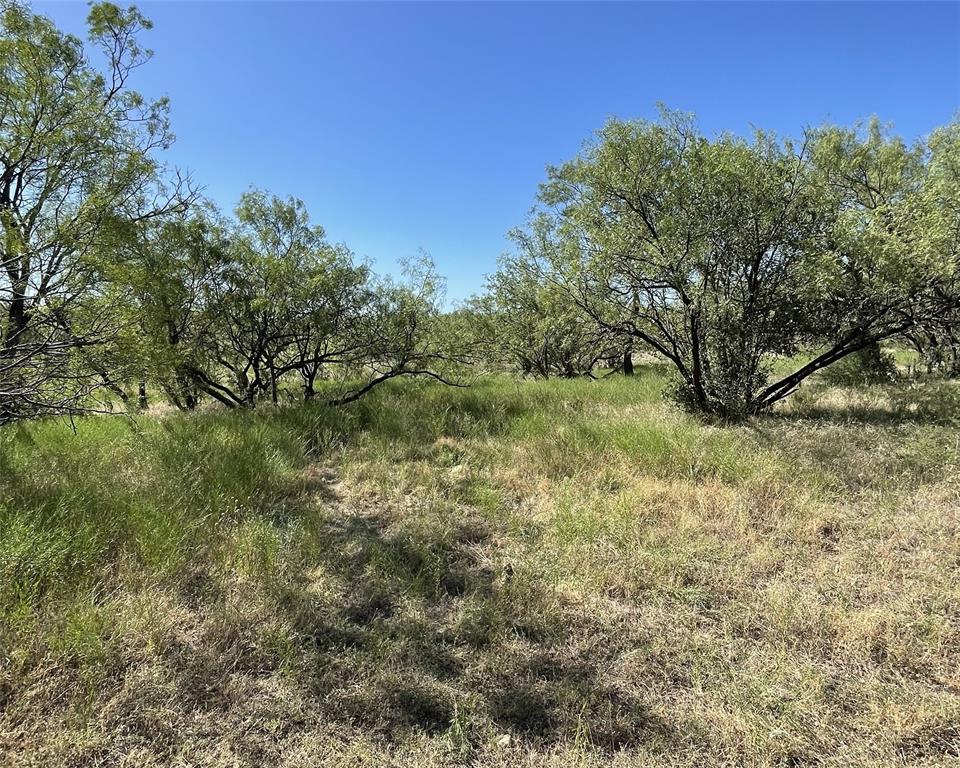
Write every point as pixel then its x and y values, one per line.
pixel 563 574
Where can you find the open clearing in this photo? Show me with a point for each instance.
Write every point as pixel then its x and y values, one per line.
pixel 563 573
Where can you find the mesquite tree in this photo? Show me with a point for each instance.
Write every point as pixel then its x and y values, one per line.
pixel 261 307
pixel 528 323
pixel 167 271
pixel 77 166
pixel 936 336
pixel 721 254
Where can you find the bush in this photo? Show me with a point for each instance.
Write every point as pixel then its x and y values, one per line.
pixel 868 366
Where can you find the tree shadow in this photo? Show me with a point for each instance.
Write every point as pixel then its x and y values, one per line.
pixel 424 629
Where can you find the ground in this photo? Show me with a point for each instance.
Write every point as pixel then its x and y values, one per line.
pixel 515 574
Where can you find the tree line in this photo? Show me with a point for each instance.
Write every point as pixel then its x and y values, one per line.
pixel 115 270
pixel 716 254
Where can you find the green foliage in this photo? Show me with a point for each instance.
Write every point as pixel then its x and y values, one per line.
pixel 722 254
pixel 870 365
pixel 440 566
pixel 77 165
pixel 260 307
pixel 530 323
pixel 934 403
pixel 108 277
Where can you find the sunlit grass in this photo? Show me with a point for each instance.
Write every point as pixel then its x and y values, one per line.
pixel 542 573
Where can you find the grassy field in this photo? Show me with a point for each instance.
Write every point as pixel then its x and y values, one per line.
pixel 515 574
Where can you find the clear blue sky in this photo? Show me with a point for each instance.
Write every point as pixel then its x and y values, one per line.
pixel 428 125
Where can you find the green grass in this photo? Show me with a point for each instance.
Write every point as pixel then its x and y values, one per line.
pixel 518 573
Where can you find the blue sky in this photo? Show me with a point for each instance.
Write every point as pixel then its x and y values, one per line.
pixel 429 125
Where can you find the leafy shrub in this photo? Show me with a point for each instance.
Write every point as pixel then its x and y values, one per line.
pixel 868 366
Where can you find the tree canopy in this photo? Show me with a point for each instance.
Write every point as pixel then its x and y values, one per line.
pixel 720 255
pixel 78 167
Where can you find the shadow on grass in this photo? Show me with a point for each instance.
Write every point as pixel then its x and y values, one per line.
pixel 431 633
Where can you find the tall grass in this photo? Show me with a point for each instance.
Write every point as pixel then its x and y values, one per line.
pixel 518 572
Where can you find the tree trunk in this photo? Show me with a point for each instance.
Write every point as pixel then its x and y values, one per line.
pixel 142 395
pixel 17 319
pixel 182 393
pixel 308 380
pixel 111 385
pixel 627 363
